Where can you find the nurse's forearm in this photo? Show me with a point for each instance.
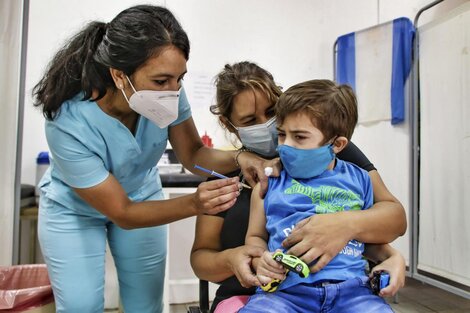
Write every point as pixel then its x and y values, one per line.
pixel 110 199
pixel 190 150
pixel 217 160
pixel 213 159
pixel 155 212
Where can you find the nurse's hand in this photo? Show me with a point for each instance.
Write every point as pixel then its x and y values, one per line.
pixel 253 167
pixel 216 196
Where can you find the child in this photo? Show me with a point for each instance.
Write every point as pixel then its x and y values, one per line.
pixel 315 121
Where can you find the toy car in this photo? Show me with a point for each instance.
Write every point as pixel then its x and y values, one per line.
pixel 292 263
pixel 379 280
pixel 272 286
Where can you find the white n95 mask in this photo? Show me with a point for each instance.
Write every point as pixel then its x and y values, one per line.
pixel 160 107
pixel 260 138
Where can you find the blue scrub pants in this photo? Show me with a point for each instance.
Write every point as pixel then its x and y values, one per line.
pixel 350 296
pixel 73 246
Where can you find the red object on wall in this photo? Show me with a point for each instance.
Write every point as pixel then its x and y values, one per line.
pixel 207 141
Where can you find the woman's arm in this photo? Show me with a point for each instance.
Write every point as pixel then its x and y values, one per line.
pixel 384 221
pixel 386 226
pixel 190 151
pixel 210 262
pixel 110 199
pixel 391 261
pixel 322 236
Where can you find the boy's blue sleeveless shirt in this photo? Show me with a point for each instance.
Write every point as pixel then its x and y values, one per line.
pixel 288 201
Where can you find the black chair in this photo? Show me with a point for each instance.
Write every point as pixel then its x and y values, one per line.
pixel 203 299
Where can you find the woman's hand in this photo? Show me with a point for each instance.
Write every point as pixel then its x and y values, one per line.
pixel 253 166
pixel 216 196
pixel 395 266
pixel 320 237
pixel 268 269
pixel 240 264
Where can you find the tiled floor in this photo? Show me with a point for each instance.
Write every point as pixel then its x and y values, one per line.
pixel 415 297
pixel 419 297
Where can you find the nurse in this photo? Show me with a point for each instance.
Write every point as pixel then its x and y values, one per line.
pixel 113 97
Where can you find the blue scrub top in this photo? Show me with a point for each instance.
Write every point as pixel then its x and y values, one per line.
pixel 86 145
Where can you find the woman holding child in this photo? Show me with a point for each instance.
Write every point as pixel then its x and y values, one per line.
pixel 246 95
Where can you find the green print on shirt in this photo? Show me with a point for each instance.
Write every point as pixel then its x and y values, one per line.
pixel 327 199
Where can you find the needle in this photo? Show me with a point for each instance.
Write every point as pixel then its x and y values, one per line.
pixel 214 173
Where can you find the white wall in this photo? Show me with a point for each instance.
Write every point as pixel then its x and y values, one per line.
pixel 50 24
pixel 389 147
pixel 11 20
pixel 294 42
pixel 444 236
pixel 390 9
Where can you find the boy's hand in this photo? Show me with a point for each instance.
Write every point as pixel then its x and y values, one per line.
pixel 395 266
pixel 268 269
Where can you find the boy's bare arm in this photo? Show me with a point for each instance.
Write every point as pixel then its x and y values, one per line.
pixel 264 266
pixel 256 234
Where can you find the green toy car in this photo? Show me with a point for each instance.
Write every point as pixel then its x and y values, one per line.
pixel 292 263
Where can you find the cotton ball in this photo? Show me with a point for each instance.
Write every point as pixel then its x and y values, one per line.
pixel 268 171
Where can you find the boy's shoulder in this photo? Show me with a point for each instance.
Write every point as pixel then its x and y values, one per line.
pixel 351 169
pixel 349 165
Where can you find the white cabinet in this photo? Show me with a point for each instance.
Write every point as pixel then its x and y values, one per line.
pixel 182 285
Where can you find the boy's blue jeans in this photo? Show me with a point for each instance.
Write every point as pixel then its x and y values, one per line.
pixel 350 296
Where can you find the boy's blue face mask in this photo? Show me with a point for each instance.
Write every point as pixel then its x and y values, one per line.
pixel 306 163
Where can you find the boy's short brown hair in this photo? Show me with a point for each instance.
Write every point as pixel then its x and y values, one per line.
pixel 331 107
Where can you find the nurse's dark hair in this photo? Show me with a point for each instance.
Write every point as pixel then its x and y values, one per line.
pixel 82 65
pixel 238 77
pixel 332 108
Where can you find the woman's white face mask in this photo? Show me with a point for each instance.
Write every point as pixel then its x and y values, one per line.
pixel 160 107
pixel 260 138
